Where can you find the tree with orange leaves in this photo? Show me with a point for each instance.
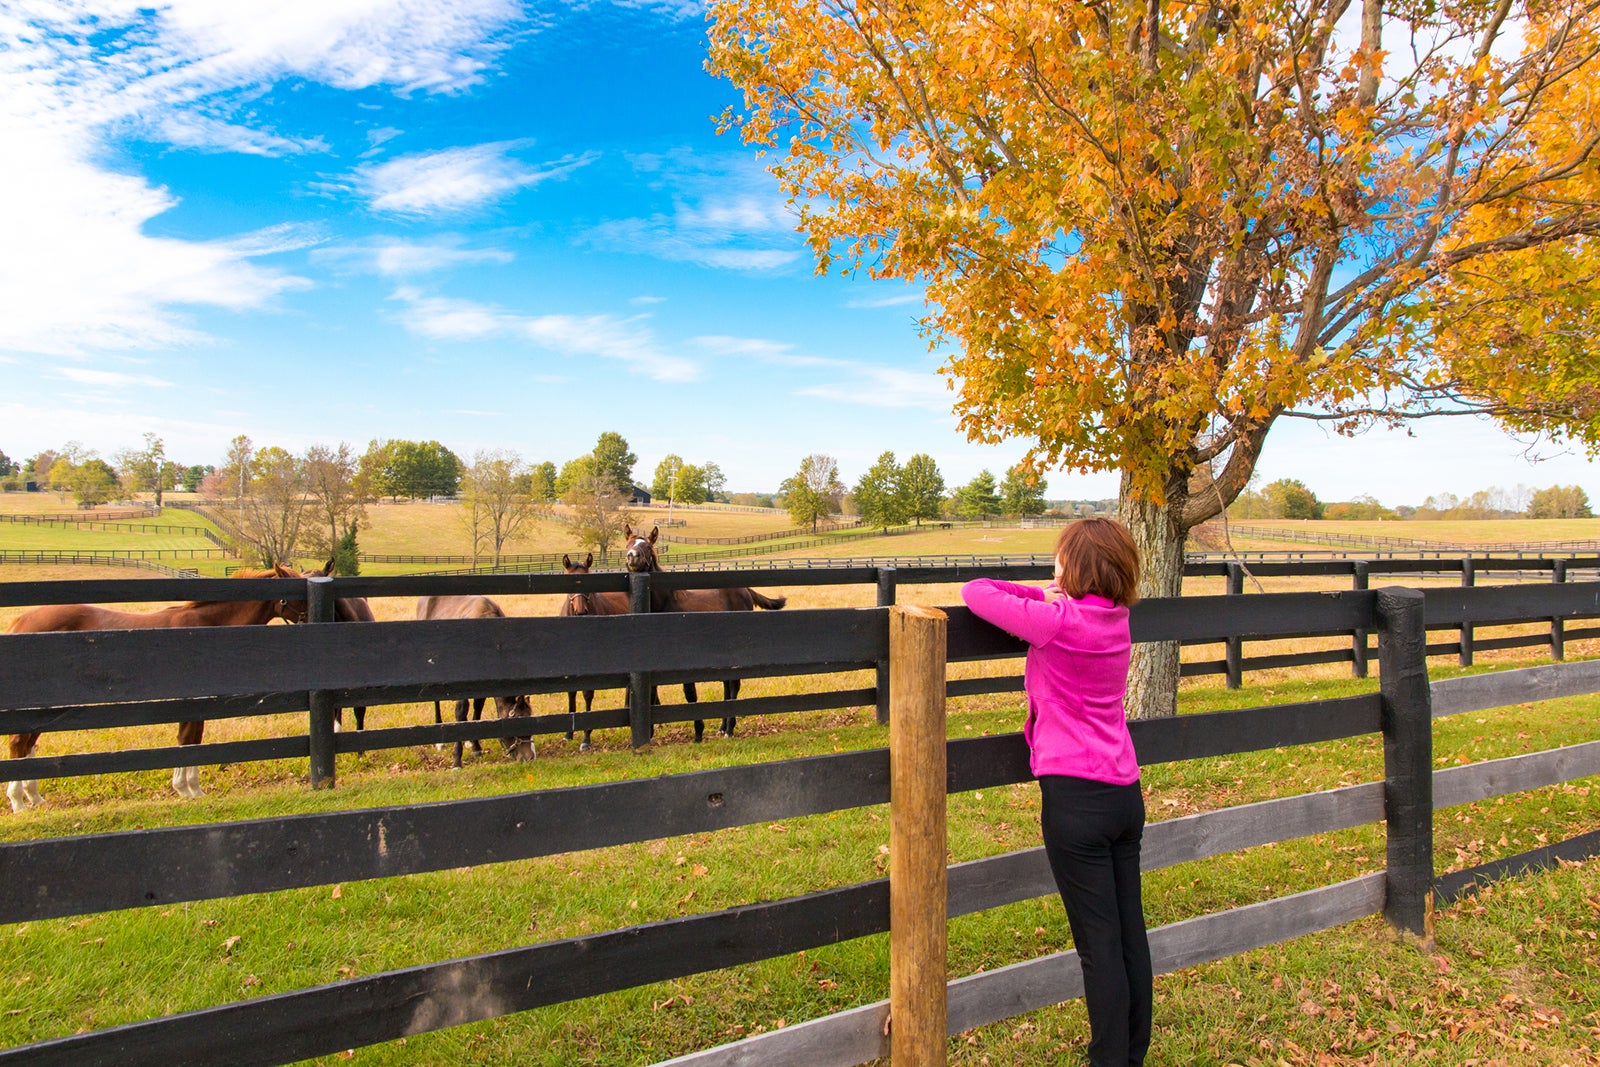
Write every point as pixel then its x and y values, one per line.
pixel 1150 230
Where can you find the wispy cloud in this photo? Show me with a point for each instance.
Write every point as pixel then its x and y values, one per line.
pixel 108 379
pixel 626 340
pixel 726 212
pixel 455 180
pixel 854 381
pixel 884 387
pixel 191 130
pixel 897 300
pixel 405 259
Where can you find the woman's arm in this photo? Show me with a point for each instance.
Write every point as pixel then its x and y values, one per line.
pixel 1021 610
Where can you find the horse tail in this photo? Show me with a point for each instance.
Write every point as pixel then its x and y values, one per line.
pixel 771 603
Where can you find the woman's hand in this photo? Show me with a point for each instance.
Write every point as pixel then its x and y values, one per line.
pixel 1053 593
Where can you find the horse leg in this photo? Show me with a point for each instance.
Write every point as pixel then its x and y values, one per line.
pixel 730 691
pixel 461 716
pixel 186 780
pixel 361 718
pixel 477 716
pixel 437 719
pixel 693 697
pixel 23 793
pixel 572 714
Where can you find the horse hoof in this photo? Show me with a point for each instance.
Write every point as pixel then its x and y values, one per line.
pixel 584 747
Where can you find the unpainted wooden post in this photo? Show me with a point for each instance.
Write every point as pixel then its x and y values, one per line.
pixel 320 609
pixel 639 688
pixel 1468 580
pixel 886 594
pixel 1234 646
pixel 1358 639
pixel 1407 722
pixel 1558 626
pixel 917 886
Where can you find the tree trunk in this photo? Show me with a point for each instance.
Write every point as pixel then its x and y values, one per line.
pixel 1153 672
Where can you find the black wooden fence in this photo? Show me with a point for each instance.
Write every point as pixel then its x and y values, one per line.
pixel 642 718
pixel 126 670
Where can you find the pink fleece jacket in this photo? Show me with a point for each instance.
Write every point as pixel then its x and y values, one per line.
pixel 1076 675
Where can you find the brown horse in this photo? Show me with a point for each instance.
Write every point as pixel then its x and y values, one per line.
pixel 640 555
pixel 346 609
pixel 590 604
pixel 55 618
pixel 477 607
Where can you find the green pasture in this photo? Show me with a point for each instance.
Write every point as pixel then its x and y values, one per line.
pixel 70 539
pixel 1512 976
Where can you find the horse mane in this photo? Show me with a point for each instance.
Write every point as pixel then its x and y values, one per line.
pixel 277 570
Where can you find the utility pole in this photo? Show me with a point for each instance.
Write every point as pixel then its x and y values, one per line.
pixel 672 491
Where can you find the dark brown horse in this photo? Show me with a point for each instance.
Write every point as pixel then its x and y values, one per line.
pixel 590 604
pixel 477 607
pixel 346 609
pixel 640 555
pixel 54 618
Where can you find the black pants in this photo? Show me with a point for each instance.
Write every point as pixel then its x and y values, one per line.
pixel 1091 835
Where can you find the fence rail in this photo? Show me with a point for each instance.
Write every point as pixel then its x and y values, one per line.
pixel 158 867
pixel 137 562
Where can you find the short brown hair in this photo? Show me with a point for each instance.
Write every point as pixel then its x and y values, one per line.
pixel 1098 556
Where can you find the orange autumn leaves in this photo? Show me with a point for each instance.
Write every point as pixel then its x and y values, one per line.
pixel 1148 232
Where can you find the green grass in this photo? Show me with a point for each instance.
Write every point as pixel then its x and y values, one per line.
pixel 1512 977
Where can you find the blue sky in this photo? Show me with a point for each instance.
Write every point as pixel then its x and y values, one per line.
pixel 491 223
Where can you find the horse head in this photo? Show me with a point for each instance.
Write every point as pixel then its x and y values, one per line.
pixel 578 603
pixel 519 748
pixel 641 551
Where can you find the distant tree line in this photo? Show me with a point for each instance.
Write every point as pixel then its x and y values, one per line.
pixel 79 473
pixel 1289 498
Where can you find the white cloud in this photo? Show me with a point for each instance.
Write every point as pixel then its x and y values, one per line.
pixel 625 340
pixel 402 259
pixel 726 213
pixel 856 382
pixel 884 387
pixel 190 130
pixel 887 301
pixel 108 379
pixel 80 270
pixel 456 179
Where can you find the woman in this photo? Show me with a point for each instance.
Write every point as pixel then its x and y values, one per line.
pixel 1093 812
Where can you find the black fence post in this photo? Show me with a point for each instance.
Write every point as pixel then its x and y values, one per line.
pixel 639 688
pixel 1407 721
pixel 1358 638
pixel 1468 580
pixel 1558 626
pixel 319 609
pixel 886 594
pixel 1234 646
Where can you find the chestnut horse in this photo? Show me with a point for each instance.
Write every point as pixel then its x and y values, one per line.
pixel 477 607
pixel 640 555
pixel 54 618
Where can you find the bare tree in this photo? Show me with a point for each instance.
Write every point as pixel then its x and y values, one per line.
pixel 595 511
pixel 330 481
pixel 498 503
